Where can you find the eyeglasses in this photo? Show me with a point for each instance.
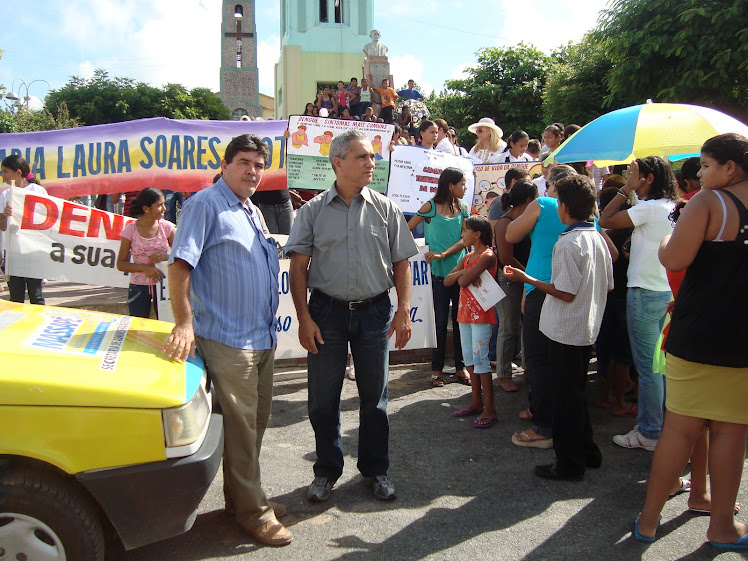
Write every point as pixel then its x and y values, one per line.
pixel 479 129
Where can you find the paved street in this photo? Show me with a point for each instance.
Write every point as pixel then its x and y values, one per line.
pixel 463 494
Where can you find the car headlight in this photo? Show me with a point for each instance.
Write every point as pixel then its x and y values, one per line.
pixel 185 424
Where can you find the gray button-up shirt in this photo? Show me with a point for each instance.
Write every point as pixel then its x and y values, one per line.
pixel 352 247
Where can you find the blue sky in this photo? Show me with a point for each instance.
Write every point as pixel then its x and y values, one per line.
pixel 160 41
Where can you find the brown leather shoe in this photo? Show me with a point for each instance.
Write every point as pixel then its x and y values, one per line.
pixel 271 533
pixel 278 508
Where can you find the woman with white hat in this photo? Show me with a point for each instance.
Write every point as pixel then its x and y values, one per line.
pixel 489 145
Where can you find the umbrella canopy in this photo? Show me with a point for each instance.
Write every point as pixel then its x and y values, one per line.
pixel 417 108
pixel 651 129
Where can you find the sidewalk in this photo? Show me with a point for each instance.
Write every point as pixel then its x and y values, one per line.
pixel 84 296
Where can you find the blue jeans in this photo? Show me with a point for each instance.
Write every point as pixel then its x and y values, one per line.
pixel 366 331
pixel 278 217
pixel 645 313
pixel 443 296
pixel 141 298
pixel 475 338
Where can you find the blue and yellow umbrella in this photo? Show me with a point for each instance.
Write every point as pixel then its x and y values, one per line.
pixel 672 130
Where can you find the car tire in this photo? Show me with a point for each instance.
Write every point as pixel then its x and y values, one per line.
pixel 43 514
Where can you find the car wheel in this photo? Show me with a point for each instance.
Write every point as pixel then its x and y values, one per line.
pixel 45 517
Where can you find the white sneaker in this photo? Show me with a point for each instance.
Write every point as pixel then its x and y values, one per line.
pixel 635 439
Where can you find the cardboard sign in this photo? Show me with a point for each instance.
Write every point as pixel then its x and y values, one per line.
pixel 414 176
pixel 307 160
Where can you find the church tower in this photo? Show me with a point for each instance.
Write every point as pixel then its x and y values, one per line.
pixel 239 74
pixel 322 42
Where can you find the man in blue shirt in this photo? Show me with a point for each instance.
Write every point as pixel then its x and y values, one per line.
pixel 409 92
pixel 223 284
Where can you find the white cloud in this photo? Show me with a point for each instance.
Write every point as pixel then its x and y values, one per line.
pixel 407 67
pixel 85 70
pixel 562 21
pixel 268 52
pixel 459 72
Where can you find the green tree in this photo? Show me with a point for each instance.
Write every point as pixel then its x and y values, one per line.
pixel 30 120
pixel 576 91
pixel 506 84
pixel 684 51
pixel 103 100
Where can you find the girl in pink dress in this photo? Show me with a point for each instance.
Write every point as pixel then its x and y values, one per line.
pixel 145 242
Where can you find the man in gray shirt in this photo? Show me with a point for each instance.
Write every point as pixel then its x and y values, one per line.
pixel 350 245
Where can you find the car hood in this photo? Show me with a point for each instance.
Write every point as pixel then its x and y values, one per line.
pixel 68 357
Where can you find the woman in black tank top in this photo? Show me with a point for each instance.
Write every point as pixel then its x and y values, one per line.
pixel 707 365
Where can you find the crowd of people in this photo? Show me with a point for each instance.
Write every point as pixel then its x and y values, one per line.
pixel 587 266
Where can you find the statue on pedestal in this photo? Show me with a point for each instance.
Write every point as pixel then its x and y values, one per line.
pixel 376 66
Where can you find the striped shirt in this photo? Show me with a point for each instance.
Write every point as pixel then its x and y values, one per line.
pixel 234 278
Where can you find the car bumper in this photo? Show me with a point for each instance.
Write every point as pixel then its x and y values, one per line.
pixel 152 502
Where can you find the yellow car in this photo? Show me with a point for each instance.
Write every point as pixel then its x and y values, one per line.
pixel 99 429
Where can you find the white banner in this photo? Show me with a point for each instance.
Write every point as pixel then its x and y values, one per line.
pixel 414 176
pixel 287 327
pixel 58 240
pixel 51 238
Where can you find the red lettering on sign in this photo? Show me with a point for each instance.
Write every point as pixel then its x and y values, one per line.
pixel 113 224
pixel 29 209
pixel 69 216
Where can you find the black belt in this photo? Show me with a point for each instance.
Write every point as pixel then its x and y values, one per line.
pixel 353 304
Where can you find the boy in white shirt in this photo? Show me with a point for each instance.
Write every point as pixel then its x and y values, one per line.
pixel 581 279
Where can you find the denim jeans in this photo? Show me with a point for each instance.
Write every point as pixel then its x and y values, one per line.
pixel 366 331
pixel 645 313
pixel 141 298
pixel 17 288
pixel 475 338
pixel 536 347
pixel 278 217
pixel 443 296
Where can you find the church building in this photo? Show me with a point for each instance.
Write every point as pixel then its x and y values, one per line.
pixel 321 42
pixel 239 74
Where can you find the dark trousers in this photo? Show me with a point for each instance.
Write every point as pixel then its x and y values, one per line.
pixel 443 296
pixel 366 331
pixel 572 429
pixel 536 359
pixel 387 114
pixel 17 287
pixel 141 298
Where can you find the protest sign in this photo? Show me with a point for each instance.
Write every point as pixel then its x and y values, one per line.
pixel 179 155
pixel 307 163
pixel 414 176
pixel 489 182
pixel 50 238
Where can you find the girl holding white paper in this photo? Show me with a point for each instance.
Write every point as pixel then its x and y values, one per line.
pixel 475 322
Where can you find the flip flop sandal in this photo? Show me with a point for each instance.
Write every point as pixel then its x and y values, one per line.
pixel 685 487
pixel 465 412
pixel 437 382
pixel 704 512
pixel 525 415
pixel 464 380
pixel 485 422
pixel 526 441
